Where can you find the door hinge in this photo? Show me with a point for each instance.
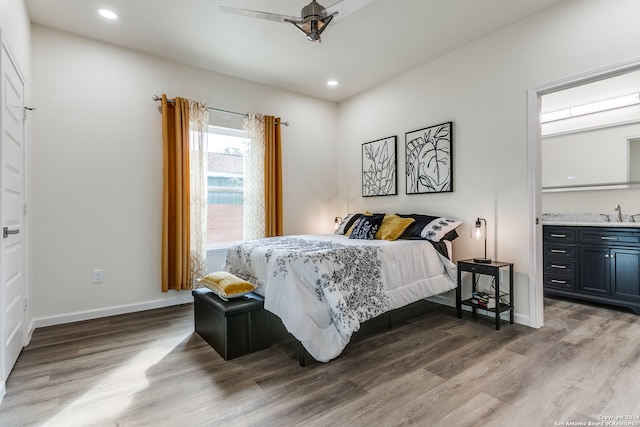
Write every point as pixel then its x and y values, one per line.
pixel 24 210
pixel 25 304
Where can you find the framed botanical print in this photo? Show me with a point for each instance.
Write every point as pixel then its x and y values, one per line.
pixel 379 177
pixel 429 159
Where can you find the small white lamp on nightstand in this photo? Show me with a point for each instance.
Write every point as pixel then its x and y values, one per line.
pixel 479 233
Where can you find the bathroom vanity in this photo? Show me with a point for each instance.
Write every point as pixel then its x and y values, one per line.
pixel 598 262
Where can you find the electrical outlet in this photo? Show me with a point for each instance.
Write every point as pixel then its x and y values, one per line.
pixel 97 276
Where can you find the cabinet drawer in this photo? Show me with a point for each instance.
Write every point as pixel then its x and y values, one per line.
pixel 560 282
pixel 562 267
pixel 609 238
pixel 559 251
pixel 479 269
pixel 559 235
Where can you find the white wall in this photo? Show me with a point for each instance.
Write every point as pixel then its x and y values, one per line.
pixel 97 169
pixel 482 88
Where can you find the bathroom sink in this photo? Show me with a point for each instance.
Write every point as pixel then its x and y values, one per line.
pixel 588 219
pixel 594 224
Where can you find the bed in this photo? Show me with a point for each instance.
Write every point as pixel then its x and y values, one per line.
pixel 323 287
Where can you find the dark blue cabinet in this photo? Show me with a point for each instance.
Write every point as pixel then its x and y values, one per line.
pixel 598 264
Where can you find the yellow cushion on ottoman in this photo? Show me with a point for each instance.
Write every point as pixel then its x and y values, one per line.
pixel 226 285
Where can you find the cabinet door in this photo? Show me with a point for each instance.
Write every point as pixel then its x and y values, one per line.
pixel 625 274
pixel 594 270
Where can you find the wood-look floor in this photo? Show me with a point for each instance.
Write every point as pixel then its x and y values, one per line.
pixel 152 369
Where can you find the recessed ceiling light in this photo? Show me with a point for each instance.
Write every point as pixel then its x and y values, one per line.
pixel 105 13
pixel 332 83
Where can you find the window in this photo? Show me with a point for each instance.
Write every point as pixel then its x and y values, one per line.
pixel 225 185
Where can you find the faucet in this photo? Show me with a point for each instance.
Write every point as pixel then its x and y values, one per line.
pixel 606 217
pixel 633 218
pixel 619 210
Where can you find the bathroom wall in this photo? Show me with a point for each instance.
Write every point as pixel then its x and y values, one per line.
pixel 592 144
pixel 597 201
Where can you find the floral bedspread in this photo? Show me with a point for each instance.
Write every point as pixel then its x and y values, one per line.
pixel 322 290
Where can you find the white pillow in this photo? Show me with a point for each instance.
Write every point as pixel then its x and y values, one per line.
pixel 437 228
pixel 346 223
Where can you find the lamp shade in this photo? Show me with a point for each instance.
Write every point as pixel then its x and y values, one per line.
pixel 479 232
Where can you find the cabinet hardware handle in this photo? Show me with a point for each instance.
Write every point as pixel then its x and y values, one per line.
pixel 558 251
pixel 558 266
pixel 608 238
pixel 561 282
pixel 559 235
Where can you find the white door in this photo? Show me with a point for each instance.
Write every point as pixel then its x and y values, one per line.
pixel 12 215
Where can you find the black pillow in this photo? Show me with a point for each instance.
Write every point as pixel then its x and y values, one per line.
pixel 366 227
pixel 450 236
pixel 414 230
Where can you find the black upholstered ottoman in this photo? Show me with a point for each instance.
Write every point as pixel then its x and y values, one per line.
pixel 233 328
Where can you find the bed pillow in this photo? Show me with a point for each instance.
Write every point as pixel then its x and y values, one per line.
pixel 393 226
pixel 439 228
pixel 414 230
pixel 366 227
pixel 226 285
pixel 346 223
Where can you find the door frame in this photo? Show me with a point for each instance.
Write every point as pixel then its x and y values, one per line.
pixel 534 140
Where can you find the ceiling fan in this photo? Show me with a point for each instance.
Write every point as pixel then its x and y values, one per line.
pixel 314 18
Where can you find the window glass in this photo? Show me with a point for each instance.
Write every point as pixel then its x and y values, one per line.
pixel 225 186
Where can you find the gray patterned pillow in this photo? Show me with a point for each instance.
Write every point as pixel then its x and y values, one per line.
pixel 347 222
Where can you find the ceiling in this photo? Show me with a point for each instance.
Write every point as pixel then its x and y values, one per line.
pixel 360 49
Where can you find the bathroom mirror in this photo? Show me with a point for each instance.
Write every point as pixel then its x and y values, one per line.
pixel 591 135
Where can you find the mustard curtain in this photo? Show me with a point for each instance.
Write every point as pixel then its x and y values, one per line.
pixel 273 177
pixel 175 197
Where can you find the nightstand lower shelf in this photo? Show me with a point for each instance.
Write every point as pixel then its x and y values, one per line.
pixel 501 309
pixel 490 269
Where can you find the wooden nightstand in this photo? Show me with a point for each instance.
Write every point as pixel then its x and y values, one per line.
pixel 489 269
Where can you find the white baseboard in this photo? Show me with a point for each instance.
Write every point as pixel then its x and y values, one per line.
pixel 110 311
pixel 29 334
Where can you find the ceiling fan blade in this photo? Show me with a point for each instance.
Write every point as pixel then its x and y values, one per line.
pixel 261 15
pixel 346 8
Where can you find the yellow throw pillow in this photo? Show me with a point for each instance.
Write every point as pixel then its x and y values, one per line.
pixel 226 285
pixel 393 226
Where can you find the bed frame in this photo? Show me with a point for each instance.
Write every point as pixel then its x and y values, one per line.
pixel 241 326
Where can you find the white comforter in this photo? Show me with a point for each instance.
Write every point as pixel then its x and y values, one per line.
pixel 324 286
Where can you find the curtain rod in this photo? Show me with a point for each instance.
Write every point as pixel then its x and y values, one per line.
pixel 157 98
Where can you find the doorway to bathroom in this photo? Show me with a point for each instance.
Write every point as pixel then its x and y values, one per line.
pixel 569 122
